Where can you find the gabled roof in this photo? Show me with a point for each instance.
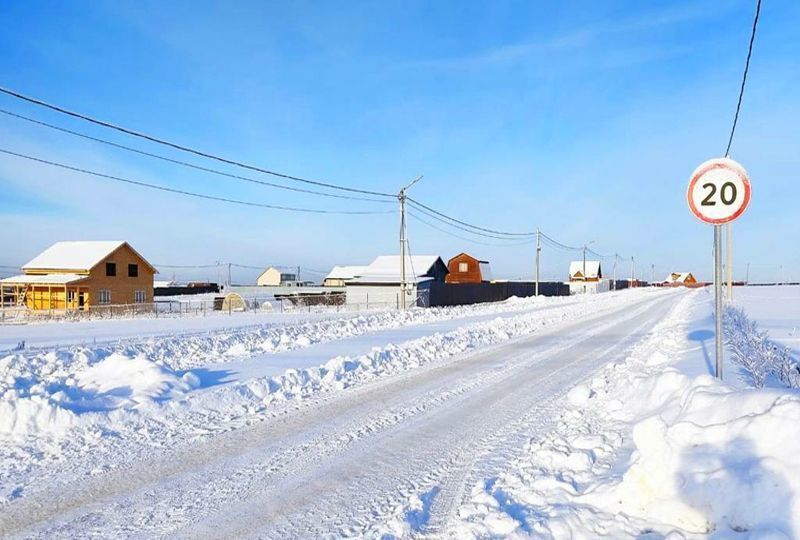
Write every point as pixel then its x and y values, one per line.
pixel 468 255
pixel 345 272
pixel 678 277
pixel 592 269
pixel 80 255
pixel 386 269
pixel 280 270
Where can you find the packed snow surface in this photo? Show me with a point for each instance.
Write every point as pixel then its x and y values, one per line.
pixel 551 418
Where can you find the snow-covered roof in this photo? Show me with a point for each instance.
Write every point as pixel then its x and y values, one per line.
pixel 164 283
pixel 486 271
pixel 44 279
pixel 81 255
pixel 386 269
pixel 345 272
pixel 576 270
pixel 678 277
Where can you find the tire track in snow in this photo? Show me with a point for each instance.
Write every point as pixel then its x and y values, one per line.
pixel 295 459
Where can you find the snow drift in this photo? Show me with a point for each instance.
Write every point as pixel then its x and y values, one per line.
pixel 644 448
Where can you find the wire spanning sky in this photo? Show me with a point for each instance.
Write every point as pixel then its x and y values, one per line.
pixel 582 118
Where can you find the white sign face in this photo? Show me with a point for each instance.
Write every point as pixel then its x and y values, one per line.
pixel 719 191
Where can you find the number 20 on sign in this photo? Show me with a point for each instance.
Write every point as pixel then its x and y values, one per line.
pixel 719 191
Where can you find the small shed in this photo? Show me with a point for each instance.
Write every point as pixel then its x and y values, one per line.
pixel 464 268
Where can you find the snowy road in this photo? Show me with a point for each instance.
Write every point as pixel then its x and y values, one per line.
pixel 392 456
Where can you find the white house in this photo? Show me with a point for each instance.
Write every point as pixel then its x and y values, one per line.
pixel 379 283
pixel 340 275
pixel 275 277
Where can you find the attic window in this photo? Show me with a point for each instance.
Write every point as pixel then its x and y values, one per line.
pixel 463 267
pixel 133 270
pixel 111 269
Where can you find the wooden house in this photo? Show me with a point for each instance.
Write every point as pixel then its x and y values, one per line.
pixel 680 278
pixel 80 275
pixel 585 271
pixel 464 268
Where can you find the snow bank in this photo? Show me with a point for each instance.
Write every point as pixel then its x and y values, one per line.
pixel 42 391
pixel 643 448
pixel 31 403
pixel 714 459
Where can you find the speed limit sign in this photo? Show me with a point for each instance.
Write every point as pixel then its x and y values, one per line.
pixel 719 191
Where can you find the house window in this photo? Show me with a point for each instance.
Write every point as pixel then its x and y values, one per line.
pixel 138 297
pixel 111 269
pixel 463 267
pixel 70 296
pixel 133 270
pixel 104 296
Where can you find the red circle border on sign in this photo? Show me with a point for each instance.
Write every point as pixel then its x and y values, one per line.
pixel 704 170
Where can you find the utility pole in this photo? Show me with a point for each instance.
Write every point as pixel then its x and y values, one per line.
pixel 633 273
pixel 728 262
pixel 229 276
pixel 747 275
pixel 538 250
pixel 584 263
pixel 402 198
pixel 614 282
pixel 652 274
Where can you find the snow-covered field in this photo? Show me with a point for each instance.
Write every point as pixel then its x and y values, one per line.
pixel 550 417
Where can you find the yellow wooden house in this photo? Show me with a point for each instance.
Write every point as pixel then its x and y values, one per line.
pixel 79 275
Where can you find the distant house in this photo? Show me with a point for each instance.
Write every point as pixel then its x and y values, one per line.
pixel 340 275
pixel 79 275
pixel 586 277
pixel 585 271
pixel 464 268
pixel 680 278
pixel 379 283
pixel 275 277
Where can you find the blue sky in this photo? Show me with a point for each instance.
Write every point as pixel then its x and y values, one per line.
pixel 582 118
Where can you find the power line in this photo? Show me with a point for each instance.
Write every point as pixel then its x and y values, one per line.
pixel 459 227
pixel 191 193
pixel 744 77
pixel 182 148
pixel 464 223
pixel 185 163
pixel 432 226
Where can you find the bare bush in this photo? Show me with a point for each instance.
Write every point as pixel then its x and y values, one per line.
pixel 755 354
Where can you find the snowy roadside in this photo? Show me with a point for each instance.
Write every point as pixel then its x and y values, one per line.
pixel 41 389
pixel 59 434
pixel 645 450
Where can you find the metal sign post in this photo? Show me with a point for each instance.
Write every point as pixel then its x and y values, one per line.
pixel 719 192
pixel 718 300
